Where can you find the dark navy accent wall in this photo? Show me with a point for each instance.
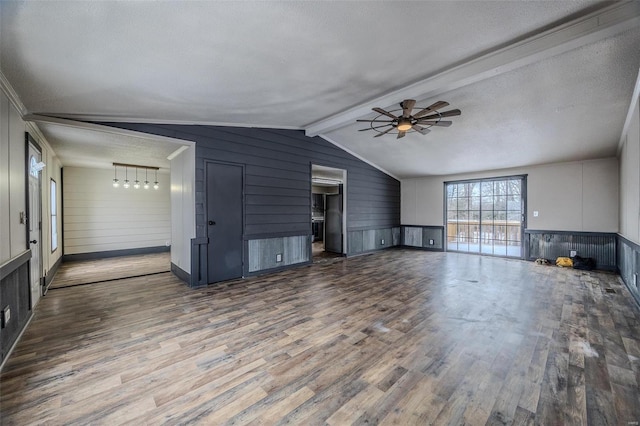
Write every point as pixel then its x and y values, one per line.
pixel 278 178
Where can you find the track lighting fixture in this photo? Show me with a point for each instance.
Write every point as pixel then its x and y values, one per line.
pixel 136 183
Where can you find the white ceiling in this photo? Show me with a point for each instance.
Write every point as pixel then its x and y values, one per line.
pixel 536 81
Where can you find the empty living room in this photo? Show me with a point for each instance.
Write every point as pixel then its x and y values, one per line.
pixel 331 213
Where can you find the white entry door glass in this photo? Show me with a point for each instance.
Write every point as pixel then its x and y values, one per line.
pixel 35 213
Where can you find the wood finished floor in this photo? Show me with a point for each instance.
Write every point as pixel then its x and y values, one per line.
pixel 396 337
pixel 90 271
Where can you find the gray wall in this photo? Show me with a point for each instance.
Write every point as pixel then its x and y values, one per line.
pixel 575 196
pixel 629 239
pixel 278 181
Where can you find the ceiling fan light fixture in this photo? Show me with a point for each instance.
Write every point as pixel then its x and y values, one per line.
pixel 404 125
pixel 402 121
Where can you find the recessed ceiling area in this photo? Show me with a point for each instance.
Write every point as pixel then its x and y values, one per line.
pixel 537 82
pixel 81 145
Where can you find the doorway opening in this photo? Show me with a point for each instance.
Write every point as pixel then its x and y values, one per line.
pixel 486 216
pixel 34 217
pixel 328 212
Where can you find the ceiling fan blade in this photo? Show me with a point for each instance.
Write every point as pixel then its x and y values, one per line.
pixel 401 134
pixel 374 127
pixel 419 129
pixel 430 108
pixel 450 113
pixel 385 132
pixel 383 112
pixel 407 107
pixel 442 123
pixel 375 121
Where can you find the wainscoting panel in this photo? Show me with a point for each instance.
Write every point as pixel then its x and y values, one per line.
pixel 262 253
pixel 422 236
pixel 412 236
pixel 553 244
pixel 354 242
pixel 629 265
pixel 367 240
pixel 15 295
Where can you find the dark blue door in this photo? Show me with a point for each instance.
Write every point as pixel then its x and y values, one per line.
pixel 224 221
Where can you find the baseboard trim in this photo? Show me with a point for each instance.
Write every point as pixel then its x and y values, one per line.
pixel 181 273
pixel 425 248
pixel 114 253
pixel 48 279
pixel 15 343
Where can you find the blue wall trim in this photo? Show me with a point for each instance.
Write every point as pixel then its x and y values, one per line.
pixel 114 253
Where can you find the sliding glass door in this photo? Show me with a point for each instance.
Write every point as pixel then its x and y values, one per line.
pixel 486 216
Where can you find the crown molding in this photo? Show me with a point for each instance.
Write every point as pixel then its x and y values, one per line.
pixel 96 118
pixel 104 129
pixel 603 23
pixel 15 100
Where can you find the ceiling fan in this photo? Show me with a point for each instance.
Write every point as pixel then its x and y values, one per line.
pixel 421 122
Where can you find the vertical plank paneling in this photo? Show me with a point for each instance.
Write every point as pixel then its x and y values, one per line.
pixel 412 236
pixel 551 245
pixel 628 261
pixel 14 294
pixel 263 253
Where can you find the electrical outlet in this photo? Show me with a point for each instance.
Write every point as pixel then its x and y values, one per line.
pixel 535 213
pixel 6 316
pixel 382 242
pixel 431 242
pixel 573 253
pixel 279 257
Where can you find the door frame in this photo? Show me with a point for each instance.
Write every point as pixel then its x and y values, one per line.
pixel 206 213
pixel 29 140
pixel 523 223
pixel 344 204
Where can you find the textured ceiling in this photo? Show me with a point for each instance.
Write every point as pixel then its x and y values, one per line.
pixel 291 64
pixel 568 107
pixel 82 147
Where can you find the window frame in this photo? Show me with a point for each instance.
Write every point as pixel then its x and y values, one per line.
pixel 53 214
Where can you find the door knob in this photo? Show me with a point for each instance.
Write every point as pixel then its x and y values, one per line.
pixel 212 222
pixel 33 241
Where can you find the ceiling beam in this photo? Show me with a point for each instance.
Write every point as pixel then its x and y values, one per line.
pixel 603 23
pixel 632 107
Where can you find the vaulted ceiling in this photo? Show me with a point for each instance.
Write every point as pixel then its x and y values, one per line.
pixel 537 82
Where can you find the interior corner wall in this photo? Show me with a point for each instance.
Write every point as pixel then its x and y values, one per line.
pixel 15 255
pixel 277 185
pixel 628 252
pixel 577 196
pixel 630 180
pixel 183 227
pixel 99 218
pixel 13 234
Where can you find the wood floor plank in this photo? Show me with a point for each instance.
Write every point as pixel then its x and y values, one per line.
pixel 396 337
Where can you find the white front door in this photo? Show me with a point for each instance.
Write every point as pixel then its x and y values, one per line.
pixel 34 222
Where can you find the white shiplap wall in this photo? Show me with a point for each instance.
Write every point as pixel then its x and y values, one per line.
pixel 183 216
pixel 99 217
